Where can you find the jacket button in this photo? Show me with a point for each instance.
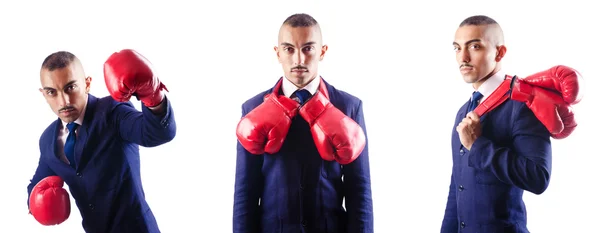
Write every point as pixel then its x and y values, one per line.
pixel 462 224
pixel 461 188
pixel 304 223
pixel 91 206
pixel 462 152
pixel 78 174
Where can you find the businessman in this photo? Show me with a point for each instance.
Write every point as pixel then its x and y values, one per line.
pixel 499 155
pixel 302 148
pixel 93 146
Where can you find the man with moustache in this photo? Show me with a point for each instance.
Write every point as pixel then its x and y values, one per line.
pixel 506 151
pixel 93 146
pixel 302 148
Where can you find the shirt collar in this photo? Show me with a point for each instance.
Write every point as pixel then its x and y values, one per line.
pixel 289 88
pixel 491 84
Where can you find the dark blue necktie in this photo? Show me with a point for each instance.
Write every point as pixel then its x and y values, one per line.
pixel 302 95
pixel 70 143
pixel 474 101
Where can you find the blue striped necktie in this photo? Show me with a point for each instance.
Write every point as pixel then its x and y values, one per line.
pixel 70 143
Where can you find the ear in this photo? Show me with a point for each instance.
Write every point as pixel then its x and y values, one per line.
pixel 323 51
pixel 500 52
pixel 88 82
pixel 276 49
pixel 42 90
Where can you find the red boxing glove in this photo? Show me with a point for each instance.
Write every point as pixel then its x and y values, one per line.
pixel 264 129
pixel 336 135
pixel 128 73
pixel 49 202
pixel 548 94
pixel 562 79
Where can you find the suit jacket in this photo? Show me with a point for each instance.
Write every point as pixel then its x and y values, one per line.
pixel 106 183
pixel 512 155
pixel 295 190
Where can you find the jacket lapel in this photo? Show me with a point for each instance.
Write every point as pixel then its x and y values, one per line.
pixel 83 133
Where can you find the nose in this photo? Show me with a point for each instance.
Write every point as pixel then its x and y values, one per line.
pixel 63 99
pixel 464 56
pixel 299 58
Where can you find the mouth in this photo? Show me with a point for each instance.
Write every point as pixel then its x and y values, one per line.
pixel 466 69
pixel 299 71
pixel 67 111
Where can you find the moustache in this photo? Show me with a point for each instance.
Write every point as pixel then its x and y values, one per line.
pixel 67 108
pixel 299 68
pixel 466 65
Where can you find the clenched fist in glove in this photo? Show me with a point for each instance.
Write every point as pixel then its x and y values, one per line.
pixel 264 129
pixel 128 73
pixel 549 94
pixel 336 135
pixel 49 202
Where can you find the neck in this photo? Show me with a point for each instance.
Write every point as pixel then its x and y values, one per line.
pixel 477 84
pixel 301 83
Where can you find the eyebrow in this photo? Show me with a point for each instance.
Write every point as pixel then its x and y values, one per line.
pixel 291 45
pixel 468 42
pixel 68 84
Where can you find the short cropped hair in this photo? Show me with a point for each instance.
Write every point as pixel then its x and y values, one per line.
pixel 58 60
pixel 478 20
pixel 300 20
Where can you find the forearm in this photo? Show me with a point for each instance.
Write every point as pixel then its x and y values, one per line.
pixel 529 170
pixel 42 171
pixel 146 128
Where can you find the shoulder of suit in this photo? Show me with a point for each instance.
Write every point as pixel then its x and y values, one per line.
pixel 256 99
pixel 49 131
pixel 344 97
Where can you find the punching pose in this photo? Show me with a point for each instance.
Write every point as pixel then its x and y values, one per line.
pixel 501 136
pixel 93 146
pixel 302 148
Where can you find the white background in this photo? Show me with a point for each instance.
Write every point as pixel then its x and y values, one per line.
pixel 214 57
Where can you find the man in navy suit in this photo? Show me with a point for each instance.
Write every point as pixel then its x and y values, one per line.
pixel 302 148
pixel 498 156
pixel 94 144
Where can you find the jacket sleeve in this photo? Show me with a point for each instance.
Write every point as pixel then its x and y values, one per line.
pixel 527 163
pixel 247 190
pixel 144 128
pixel 357 185
pixel 42 171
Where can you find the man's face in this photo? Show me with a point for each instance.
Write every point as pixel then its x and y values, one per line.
pixel 299 51
pixel 477 52
pixel 66 90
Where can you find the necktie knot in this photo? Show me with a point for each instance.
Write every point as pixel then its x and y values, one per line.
pixel 476 96
pixel 474 100
pixel 72 126
pixel 302 95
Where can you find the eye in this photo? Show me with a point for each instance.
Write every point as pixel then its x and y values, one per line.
pixel 476 46
pixel 70 87
pixel 456 49
pixel 308 49
pixel 50 92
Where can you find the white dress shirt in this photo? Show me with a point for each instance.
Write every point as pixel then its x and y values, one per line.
pixel 289 88
pixel 63 133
